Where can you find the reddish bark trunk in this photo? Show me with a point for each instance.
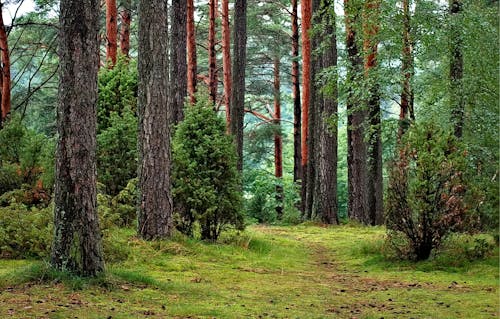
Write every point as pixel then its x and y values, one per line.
pixel 297 168
pixel 191 51
pixel 4 48
pixel 278 142
pixel 212 58
pixel 306 10
pixel 126 18
pixel 226 61
pixel 111 31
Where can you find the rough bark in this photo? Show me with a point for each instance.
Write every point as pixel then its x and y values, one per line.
pixel 297 166
pixel 327 171
pixel 278 142
pixel 456 68
pixel 406 113
pixel 315 105
pixel 178 66
pixel 226 61
pixel 155 205
pixel 111 31
pixel 306 10
pixel 191 51
pixel 370 48
pixel 77 241
pixel 212 54
pixel 5 76
pixel 238 75
pixel 356 117
pixel 126 18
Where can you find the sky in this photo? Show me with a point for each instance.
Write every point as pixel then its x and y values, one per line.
pixel 10 10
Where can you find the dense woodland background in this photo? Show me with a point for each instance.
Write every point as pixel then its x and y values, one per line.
pixel 218 115
pixel 230 159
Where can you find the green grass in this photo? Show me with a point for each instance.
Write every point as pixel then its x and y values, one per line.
pixel 303 271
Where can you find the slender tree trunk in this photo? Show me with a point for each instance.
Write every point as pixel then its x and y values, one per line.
pixel 226 60
pixel 111 31
pixel 406 113
pixel 306 9
pixel 212 55
pixel 155 205
pixel 356 118
pixel 370 48
pixel 297 166
pixel 456 68
pixel 5 76
pixel 178 66
pixel 328 123
pixel 278 142
pixel 126 17
pixel 191 52
pixel 238 74
pixel 77 240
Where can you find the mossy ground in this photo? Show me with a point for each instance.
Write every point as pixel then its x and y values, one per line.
pixel 267 272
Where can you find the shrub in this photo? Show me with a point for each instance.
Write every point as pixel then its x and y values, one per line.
pixel 206 183
pixel 117 152
pixel 10 178
pixel 28 155
pixel 25 232
pixel 117 91
pixel 425 197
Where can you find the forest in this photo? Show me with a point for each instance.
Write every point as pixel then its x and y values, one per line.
pixel 249 159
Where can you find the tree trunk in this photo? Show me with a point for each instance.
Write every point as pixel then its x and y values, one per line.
pixel 155 205
pixel 111 31
pixel 370 48
pixel 327 171
pixel 212 55
pixel 5 76
pixel 278 142
pixel 126 17
pixel 406 113
pixel 226 61
pixel 315 106
pixel 238 74
pixel 178 66
pixel 297 166
pixel 191 51
pixel 356 118
pixel 77 241
pixel 456 68
pixel 306 9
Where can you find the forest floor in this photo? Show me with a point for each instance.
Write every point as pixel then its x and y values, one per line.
pixel 301 271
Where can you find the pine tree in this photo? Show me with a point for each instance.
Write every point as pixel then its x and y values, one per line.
pixel 77 242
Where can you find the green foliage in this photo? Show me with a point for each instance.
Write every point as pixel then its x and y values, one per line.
pixel 427 187
pixel 117 91
pixel 261 202
pixel 117 125
pixel 117 151
pixel 206 183
pixel 10 179
pixel 25 232
pixel 26 157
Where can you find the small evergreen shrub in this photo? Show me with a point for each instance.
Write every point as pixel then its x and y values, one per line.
pixel 117 152
pixel 117 91
pixel 25 232
pixel 26 157
pixel 206 182
pixel 426 191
